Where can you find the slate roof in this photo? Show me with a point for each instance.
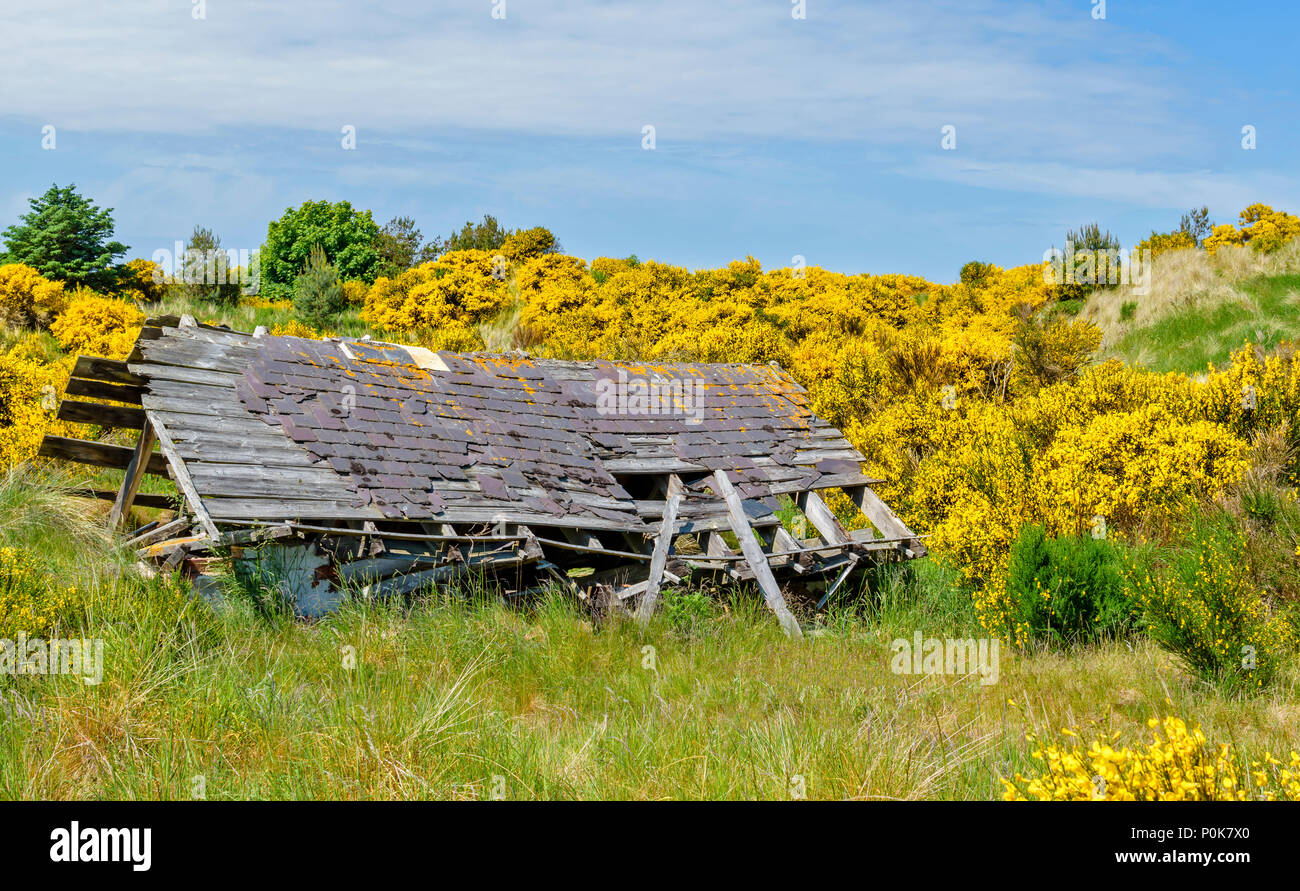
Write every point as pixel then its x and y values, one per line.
pixel 288 428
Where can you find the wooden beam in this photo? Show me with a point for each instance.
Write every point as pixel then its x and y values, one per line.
pixel 754 555
pixel 181 474
pixel 887 521
pixel 100 390
pixel 663 544
pixel 142 499
pixel 823 518
pixel 134 474
pixel 103 415
pixel 97 454
pixel 106 370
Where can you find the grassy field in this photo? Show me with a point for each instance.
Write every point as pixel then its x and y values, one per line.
pixel 1199 308
pixel 457 695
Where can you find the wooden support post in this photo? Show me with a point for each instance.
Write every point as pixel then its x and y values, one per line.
pixel 887 521
pixel 182 477
pixel 754 555
pixel 823 518
pixel 134 474
pixel 663 544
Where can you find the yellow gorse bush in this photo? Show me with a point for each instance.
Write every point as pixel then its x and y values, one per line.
pixel 1177 765
pixel 30 391
pixel 27 298
pixel 1260 226
pixel 460 288
pixel 92 325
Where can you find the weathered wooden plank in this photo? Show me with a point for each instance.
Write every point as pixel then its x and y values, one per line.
pixel 185 424
pixel 888 522
pixel 184 392
pixel 182 374
pixel 663 544
pixel 312 477
pixel 181 474
pixel 160 533
pixel 754 555
pixel 268 484
pixel 271 508
pixel 97 454
pixel 106 370
pixel 104 415
pixel 134 474
pixel 100 390
pixel 822 517
pixel 813 456
pixel 192 354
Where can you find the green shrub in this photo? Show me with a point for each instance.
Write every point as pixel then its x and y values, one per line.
pixel 687 611
pixel 1201 604
pixel 1068 588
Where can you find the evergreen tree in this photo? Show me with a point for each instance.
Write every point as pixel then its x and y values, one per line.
pixel 318 295
pixel 66 237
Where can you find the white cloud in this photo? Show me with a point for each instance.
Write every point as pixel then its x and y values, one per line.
pixel 875 73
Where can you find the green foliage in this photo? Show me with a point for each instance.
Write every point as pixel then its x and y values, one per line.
pixel 65 237
pixel 688 611
pixel 1128 310
pixel 976 274
pixel 488 235
pixel 206 273
pixel 400 246
pixel 318 294
pixel 347 236
pixel 1196 225
pixel 1090 239
pixel 1067 589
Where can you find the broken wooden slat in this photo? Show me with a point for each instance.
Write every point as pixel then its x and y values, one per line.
pixel 97 454
pixel 103 415
pixel 134 474
pixel 100 390
pixel 753 552
pixel 830 591
pixel 106 370
pixel 142 499
pixel 663 543
pixel 159 533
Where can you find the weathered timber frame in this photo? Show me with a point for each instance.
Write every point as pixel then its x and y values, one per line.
pixel 447 466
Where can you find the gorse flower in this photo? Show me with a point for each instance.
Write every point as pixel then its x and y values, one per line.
pixel 1177 765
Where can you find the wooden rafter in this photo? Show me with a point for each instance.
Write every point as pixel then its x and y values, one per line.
pixel 753 552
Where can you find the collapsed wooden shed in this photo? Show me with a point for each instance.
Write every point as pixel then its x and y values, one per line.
pixel 380 468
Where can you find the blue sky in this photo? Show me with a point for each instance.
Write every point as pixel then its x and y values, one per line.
pixel 774 136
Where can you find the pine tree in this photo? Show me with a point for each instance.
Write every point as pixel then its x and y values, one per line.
pixel 318 295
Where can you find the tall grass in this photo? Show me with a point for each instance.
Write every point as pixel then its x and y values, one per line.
pixel 1200 307
pixel 461 697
